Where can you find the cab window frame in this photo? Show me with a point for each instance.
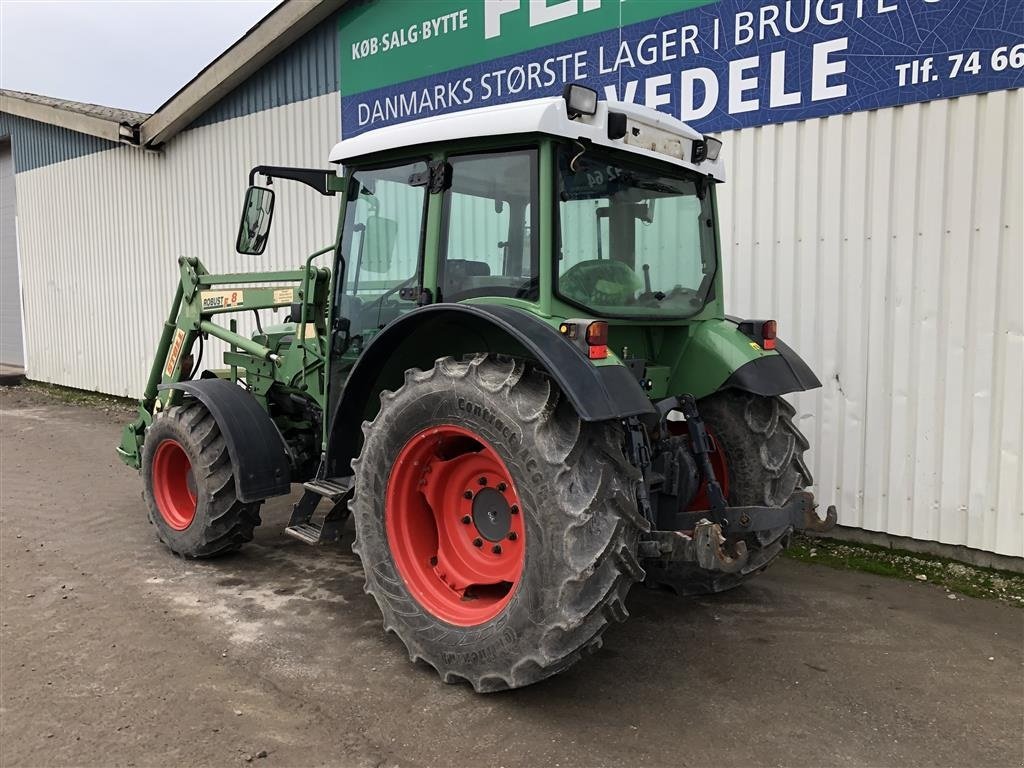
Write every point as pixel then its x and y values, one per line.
pixel 532 150
pixel 345 246
pixel 569 149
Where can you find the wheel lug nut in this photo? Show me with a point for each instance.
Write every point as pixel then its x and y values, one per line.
pixel 515 509
pixel 478 542
pixel 482 481
pixel 433 561
pixel 466 519
pixel 496 549
pixel 467 495
pixel 512 536
pixel 502 487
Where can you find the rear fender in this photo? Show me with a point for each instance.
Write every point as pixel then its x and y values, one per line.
pixel 259 456
pixel 720 356
pixel 418 338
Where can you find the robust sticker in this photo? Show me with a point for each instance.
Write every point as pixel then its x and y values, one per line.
pixel 284 295
pixel 221 299
pixel 175 353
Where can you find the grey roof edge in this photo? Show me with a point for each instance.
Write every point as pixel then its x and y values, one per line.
pixel 118 125
pixel 285 24
pixel 274 32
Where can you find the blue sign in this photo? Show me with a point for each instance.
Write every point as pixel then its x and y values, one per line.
pixel 729 64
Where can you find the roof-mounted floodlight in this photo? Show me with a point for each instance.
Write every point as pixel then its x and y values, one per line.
pixel 579 100
pixel 705 149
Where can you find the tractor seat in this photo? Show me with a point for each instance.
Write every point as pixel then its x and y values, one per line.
pixel 459 274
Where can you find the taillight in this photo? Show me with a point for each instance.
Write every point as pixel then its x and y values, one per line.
pixel 760 331
pixel 590 336
pixel 597 340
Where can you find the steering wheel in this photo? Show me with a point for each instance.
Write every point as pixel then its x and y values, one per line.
pixel 600 282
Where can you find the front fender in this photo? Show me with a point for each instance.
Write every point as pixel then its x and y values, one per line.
pixel 718 356
pixel 259 456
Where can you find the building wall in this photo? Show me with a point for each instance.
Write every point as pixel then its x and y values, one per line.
pixel 887 244
pixel 101 234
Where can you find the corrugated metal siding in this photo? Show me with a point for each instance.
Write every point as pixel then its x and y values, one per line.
pixel 101 236
pixel 307 68
pixel 889 246
pixel 36 144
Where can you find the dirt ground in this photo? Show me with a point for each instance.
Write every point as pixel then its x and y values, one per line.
pixel 114 652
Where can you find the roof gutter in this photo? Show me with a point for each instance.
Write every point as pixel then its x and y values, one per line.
pixel 111 130
pixel 279 29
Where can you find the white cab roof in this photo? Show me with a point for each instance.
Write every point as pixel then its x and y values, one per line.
pixel 649 133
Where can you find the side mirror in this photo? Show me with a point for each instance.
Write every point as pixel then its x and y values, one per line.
pixel 257 212
pixel 379 239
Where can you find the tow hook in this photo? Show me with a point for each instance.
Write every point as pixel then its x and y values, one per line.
pixel 707 547
pixel 702 541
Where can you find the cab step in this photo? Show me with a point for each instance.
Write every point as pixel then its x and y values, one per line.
pixel 303 527
pixel 333 488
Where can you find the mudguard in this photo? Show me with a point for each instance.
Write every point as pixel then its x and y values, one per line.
pixel 720 356
pixel 774 375
pixel 259 456
pixel 598 393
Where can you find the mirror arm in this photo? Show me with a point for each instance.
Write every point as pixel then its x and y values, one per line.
pixel 311 177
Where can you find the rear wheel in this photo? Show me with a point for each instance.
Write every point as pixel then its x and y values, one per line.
pixel 759 462
pixel 497 530
pixel 190 487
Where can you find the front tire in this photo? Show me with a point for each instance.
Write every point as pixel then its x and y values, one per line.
pixel 478 456
pixel 759 462
pixel 190 486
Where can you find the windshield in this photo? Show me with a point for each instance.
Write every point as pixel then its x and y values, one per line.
pixel 634 242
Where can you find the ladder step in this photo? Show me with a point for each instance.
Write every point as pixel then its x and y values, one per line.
pixel 308 533
pixel 332 488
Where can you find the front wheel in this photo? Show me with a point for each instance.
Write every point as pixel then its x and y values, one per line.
pixel 190 485
pixel 759 461
pixel 497 530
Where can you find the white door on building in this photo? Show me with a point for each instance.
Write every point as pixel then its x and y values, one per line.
pixel 12 351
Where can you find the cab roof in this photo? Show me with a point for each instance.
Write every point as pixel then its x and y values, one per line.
pixel 649 133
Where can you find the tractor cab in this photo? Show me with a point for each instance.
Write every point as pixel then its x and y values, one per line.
pixel 569 205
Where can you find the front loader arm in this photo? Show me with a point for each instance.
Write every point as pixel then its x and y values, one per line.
pixel 198 299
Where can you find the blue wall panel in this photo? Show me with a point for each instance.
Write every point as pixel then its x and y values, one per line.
pixel 307 68
pixel 35 144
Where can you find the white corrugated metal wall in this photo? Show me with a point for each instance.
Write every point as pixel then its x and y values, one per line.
pixel 888 244
pixel 102 234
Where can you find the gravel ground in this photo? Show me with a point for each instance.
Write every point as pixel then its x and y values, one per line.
pixel 113 652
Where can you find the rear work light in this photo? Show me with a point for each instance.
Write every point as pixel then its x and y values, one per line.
pixel 761 331
pixel 590 336
pixel 579 100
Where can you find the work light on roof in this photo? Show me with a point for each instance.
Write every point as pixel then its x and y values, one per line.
pixel 579 100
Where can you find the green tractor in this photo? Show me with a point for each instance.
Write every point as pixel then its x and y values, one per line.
pixel 512 369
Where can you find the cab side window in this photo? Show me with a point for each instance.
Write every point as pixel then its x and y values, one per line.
pixel 489 218
pixel 381 242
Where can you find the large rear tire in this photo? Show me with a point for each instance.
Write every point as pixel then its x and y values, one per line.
pixel 497 530
pixel 190 486
pixel 761 454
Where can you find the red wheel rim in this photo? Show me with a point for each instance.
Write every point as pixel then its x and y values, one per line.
pixel 718 463
pixel 174 486
pixel 454 525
